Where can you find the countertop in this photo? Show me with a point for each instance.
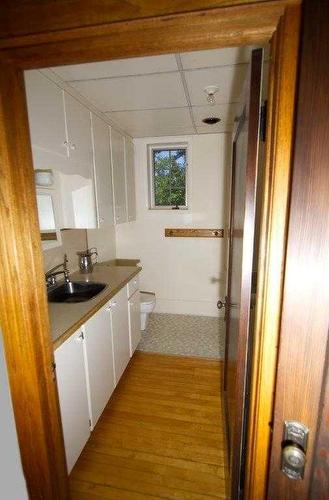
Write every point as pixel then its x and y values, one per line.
pixel 65 319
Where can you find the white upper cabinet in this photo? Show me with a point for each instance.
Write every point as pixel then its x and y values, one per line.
pixel 130 180
pixel 46 119
pixel 78 135
pixel 99 361
pixel 102 171
pixel 119 177
pixel 92 164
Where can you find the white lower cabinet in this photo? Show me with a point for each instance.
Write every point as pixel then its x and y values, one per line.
pixel 89 364
pixel 134 321
pixel 72 390
pixel 99 362
pixel 120 331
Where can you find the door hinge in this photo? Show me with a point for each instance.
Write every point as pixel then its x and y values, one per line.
pixel 53 370
pixel 263 122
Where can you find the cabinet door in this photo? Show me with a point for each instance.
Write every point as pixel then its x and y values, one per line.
pixel 119 177
pixel 103 171
pixel 120 332
pixel 134 321
pixel 77 178
pixel 78 134
pixel 46 116
pixel 99 362
pixel 72 390
pixel 130 180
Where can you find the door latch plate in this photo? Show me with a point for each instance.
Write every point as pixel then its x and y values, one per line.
pixel 294 445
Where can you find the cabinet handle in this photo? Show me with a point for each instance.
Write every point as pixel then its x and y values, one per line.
pixel 101 220
pixel 113 304
pixel 72 146
pixel 80 337
pixel 66 144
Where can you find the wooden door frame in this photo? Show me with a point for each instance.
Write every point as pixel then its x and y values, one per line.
pixel 79 38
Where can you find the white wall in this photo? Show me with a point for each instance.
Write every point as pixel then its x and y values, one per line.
pixel 12 480
pixel 104 240
pixel 187 274
pixel 75 240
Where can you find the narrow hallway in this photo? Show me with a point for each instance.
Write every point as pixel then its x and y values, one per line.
pixel 161 435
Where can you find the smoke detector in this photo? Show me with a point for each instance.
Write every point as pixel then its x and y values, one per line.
pixel 211 90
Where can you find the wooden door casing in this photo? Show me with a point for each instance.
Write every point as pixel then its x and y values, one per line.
pixel 243 211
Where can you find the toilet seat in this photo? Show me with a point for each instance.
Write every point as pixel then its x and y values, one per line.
pixel 147 298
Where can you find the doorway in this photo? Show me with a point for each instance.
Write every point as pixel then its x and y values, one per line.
pixel 10 77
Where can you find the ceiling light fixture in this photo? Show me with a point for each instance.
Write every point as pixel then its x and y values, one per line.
pixel 211 120
pixel 211 90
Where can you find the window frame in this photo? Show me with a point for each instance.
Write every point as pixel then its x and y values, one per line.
pixel 150 169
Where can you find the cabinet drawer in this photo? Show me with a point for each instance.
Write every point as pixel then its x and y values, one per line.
pixel 133 286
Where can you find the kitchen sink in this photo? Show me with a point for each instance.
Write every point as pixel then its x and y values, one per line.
pixel 75 291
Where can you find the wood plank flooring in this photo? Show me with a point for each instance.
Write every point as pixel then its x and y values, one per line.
pixel 161 435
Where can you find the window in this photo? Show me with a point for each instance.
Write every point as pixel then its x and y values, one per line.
pixel 167 176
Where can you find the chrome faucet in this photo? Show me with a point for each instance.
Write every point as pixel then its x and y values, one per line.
pixel 52 273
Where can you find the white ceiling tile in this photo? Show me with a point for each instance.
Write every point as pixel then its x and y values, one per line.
pixel 215 57
pixel 226 113
pixel 122 67
pixel 154 122
pixel 229 79
pixel 136 92
pixel 215 129
pixel 162 131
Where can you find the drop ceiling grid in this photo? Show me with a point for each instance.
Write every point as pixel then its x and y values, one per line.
pixel 164 95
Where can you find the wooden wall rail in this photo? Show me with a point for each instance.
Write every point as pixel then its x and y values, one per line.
pixel 193 233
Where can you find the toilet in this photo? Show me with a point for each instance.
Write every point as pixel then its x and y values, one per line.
pixel 147 306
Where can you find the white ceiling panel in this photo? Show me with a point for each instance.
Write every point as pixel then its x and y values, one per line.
pixel 229 79
pixel 122 67
pixel 133 93
pixel 159 121
pixel 152 96
pixel 215 57
pixel 215 129
pixel 226 112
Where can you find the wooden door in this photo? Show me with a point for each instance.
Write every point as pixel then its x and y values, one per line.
pixel 103 172
pixel 243 202
pixel 120 332
pixel 72 391
pixel 119 178
pixel 99 362
pixel 301 387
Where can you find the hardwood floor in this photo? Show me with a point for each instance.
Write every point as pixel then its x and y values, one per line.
pixel 160 436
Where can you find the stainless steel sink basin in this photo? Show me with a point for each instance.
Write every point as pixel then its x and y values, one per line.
pixel 75 291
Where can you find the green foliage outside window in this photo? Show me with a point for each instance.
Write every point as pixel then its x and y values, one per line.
pixel 169 177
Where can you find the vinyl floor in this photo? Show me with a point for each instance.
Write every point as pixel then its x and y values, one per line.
pixel 184 335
